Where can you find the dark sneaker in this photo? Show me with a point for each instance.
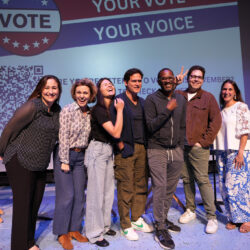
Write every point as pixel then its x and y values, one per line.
pixel 164 239
pixel 172 227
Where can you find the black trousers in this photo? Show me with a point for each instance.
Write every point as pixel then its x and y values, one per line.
pixel 28 189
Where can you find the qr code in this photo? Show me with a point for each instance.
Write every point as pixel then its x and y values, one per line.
pixel 16 85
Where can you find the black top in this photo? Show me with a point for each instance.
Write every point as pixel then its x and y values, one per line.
pixel 138 126
pixel 127 135
pixel 31 134
pixel 99 115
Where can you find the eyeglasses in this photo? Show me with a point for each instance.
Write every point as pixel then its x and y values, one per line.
pixel 198 77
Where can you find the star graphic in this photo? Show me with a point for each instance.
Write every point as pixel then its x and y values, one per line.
pixel 6 40
pixel 26 47
pixel 44 2
pixel 36 44
pixel 5 2
pixel 45 40
pixel 15 44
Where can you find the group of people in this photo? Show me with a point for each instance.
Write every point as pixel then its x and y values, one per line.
pixel 127 139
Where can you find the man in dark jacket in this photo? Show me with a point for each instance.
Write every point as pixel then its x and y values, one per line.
pixel 130 160
pixel 203 123
pixel 165 113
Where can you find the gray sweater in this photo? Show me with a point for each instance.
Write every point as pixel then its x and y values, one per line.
pixel 166 129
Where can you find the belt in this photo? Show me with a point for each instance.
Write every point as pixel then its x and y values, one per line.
pixel 78 149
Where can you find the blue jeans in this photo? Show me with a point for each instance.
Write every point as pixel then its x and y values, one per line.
pixel 99 160
pixel 70 196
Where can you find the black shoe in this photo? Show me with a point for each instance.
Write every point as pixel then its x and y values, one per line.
pixel 111 232
pixel 102 243
pixel 164 239
pixel 172 227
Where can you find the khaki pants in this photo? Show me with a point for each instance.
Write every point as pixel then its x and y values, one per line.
pixel 132 185
pixel 196 170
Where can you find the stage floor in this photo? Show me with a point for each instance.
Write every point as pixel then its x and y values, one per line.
pixel 191 237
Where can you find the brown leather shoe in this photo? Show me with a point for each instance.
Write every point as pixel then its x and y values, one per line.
pixel 65 241
pixel 77 236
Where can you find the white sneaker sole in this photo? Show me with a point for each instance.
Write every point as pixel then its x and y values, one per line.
pixel 212 232
pixel 132 239
pixel 185 222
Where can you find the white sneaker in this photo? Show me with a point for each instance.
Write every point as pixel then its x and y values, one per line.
pixel 130 234
pixel 187 216
pixel 212 226
pixel 141 225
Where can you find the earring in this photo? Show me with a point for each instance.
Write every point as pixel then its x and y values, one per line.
pixel 235 98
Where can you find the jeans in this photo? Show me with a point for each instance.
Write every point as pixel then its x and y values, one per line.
pixel 70 195
pixel 99 160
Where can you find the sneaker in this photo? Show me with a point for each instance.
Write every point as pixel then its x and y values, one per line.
pixel 172 227
pixel 141 225
pixel 187 216
pixel 130 233
pixel 212 226
pixel 164 239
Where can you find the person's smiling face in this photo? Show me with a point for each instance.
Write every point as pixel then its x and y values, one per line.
pixel 82 95
pixel 50 92
pixel 195 81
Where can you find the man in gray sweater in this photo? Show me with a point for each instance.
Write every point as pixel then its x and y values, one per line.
pixel 165 113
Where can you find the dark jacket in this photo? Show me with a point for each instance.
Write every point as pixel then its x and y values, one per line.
pixel 203 118
pixel 166 129
pixel 127 129
pixel 31 134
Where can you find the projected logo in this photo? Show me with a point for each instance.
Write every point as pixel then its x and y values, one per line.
pixel 28 27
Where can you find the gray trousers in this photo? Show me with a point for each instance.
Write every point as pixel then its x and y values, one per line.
pixel 70 196
pixel 165 170
pixel 196 170
pixel 99 160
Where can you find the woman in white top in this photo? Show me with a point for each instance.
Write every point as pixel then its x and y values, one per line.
pixel 233 145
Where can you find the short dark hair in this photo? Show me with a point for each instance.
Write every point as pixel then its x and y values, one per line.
pixel 130 72
pixel 37 93
pixel 196 67
pixel 160 72
pixel 84 82
pixel 238 96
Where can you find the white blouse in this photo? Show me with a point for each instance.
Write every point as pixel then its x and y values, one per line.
pixel 235 122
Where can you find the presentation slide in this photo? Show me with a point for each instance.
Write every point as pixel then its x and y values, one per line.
pixel 103 38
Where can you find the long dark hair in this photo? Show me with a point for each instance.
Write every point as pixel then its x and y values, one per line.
pixel 99 96
pixel 37 93
pixel 237 97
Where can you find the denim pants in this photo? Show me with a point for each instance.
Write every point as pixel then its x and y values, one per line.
pixel 99 160
pixel 165 168
pixel 70 194
pixel 196 170
pixel 132 185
